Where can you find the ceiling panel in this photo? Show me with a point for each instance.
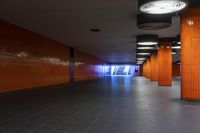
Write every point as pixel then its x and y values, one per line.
pixel 69 21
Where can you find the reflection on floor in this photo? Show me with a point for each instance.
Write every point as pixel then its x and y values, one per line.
pixel 110 105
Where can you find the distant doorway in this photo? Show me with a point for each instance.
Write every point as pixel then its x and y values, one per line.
pixel 123 70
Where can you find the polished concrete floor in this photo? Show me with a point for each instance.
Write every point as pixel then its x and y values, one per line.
pixel 110 105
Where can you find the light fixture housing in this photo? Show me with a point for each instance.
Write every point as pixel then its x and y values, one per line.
pixel 161 6
pixel 147 40
pixel 153 22
pixel 193 3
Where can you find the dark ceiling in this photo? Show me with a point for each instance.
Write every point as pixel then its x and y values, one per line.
pixel 70 21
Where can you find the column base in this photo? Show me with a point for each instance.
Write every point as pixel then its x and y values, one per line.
pixel 190 100
pixel 165 85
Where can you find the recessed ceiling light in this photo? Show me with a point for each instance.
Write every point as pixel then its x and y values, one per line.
pixel 161 6
pixel 179 43
pixel 147 43
pixel 139 63
pixel 143 53
pixel 141 59
pixel 145 48
pixel 176 47
pixel 147 40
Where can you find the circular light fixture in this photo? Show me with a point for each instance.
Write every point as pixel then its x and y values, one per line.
pixel 143 53
pixel 147 43
pixel 147 40
pixel 139 63
pixel 141 59
pixel 161 6
pixel 146 48
pixel 176 47
pixel 153 22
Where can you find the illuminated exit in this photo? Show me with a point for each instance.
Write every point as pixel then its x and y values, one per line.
pixel 122 70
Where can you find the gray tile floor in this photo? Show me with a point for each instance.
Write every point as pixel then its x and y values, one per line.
pixel 110 105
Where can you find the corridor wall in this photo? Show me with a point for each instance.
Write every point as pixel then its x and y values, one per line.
pixel 28 60
pixel 86 66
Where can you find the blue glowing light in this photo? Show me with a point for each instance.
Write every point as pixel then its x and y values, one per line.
pixel 122 70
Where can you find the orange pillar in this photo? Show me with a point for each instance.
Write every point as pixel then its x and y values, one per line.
pixel 165 64
pixel 141 70
pixel 154 67
pixel 175 69
pixel 190 55
pixel 148 69
pixel 144 69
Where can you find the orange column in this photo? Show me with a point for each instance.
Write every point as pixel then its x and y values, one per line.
pixel 175 69
pixel 141 70
pixel 148 68
pixel 154 67
pixel 165 64
pixel 190 56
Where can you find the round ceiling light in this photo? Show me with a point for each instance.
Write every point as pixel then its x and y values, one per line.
pixel 147 40
pixel 161 6
pixel 144 48
pixel 153 22
pixel 143 53
pixel 176 47
pixel 141 59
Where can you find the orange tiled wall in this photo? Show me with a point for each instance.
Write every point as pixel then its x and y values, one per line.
pixel 154 67
pixel 141 70
pixel 175 69
pixel 86 66
pixel 165 65
pixel 28 60
pixel 190 55
pixel 148 68
pixel 144 69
